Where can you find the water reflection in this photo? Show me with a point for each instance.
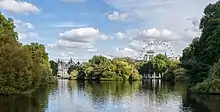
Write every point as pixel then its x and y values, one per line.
pixel 34 102
pixel 202 103
pixel 107 96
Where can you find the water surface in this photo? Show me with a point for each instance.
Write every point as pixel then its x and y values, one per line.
pixel 139 96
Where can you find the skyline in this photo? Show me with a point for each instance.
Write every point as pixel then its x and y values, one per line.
pixel 82 28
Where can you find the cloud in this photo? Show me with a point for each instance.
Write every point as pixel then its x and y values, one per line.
pixel 18 6
pixel 136 45
pixel 162 14
pixel 119 35
pixel 117 16
pixel 69 25
pixel 92 50
pixel 87 34
pixel 192 30
pixel 62 44
pixel 28 35
pixel 74 1
pixel 25 30
pixel 122 52
pixel 157 34
pixel 147 35
pixel 21 25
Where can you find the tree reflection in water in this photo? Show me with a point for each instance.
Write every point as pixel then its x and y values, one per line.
pixel 111 96
pixel 202 103
pixel 34 102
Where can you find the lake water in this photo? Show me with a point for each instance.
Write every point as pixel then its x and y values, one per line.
pixel 139 96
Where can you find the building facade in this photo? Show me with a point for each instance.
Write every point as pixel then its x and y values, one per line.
pixel 63 68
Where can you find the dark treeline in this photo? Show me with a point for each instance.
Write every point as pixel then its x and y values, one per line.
pixel 201 57
pixel 23 67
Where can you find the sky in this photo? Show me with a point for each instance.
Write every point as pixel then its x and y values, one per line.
pixel 79 29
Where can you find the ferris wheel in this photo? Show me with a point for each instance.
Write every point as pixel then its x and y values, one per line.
pixel 150 47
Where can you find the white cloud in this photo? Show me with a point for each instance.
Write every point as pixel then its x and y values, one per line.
pixel 24 30
pixel 117 16
pixel 122 52
pixel 119 35
pixel 157 34
pixel 162 14
pixel 69 25
pixel 21 25
pixel 28 35
pixel 136 45
pixel 18 6
pixel 92 50
pixel 74 1
pixel 87 34
pixel 69 44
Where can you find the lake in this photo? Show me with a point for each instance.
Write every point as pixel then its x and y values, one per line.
pixel 138 96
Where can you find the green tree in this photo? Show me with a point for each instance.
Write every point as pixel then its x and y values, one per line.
pixel 54 67
pixel 22 68
pixel 203 52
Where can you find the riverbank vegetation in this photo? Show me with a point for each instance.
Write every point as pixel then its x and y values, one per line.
pixel 23 67
pixel 201 57
pixel 102 68
pixel 163 68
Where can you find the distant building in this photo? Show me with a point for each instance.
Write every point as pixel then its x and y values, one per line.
pixel 150 54
pixel 63 68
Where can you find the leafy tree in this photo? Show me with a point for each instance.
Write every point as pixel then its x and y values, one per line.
pixel 203 52
pixel 22 67
pixel 102 68
pixel 54 67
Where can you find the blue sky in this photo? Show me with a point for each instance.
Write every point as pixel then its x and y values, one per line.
pixel 83 28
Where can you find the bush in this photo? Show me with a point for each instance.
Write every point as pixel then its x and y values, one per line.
pixel 135 77
pixel 73 75
pixel 180 74
pixel 212 83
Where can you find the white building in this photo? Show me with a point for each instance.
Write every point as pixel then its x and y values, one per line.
pixel 150 54
pixel 63 68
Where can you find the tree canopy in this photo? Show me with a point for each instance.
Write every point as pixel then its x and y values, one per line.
pixel 204 51
pixel 23 67
pixel 102 68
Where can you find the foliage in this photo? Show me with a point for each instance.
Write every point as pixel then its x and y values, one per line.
pixel 180 74
pixel 203 52
pixel 102 68
pixel 212 83
pixel 162 66
pixel 54 67
pixel 22 68
pixel 73 75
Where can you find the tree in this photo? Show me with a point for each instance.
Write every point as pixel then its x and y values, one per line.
pixel 203 52
pixel 22 67
pixel 102 68
pixel 54 67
